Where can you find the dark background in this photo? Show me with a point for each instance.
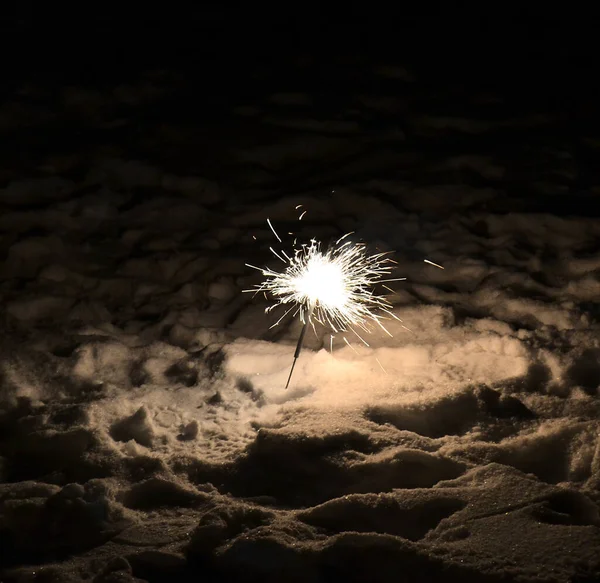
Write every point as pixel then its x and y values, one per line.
pixel 539 60
pixel 492 42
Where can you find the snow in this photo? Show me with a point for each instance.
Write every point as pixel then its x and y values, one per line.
pixel 145 430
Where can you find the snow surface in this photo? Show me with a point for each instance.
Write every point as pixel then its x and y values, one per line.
pixel 145 430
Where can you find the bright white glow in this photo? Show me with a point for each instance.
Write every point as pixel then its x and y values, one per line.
pixel 321 280
pixel 336 284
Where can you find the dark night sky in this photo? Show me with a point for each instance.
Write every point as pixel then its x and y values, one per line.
pixel 490 40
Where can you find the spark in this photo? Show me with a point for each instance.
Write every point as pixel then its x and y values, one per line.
pixel 432 263
pixel 337 284
pixel 277 255
pixel 343 237
pixel 381 365
pixel 350 345
pixel 282 317
pixel 274 231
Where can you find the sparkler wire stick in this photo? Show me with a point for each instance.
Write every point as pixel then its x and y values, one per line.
pixel 300 341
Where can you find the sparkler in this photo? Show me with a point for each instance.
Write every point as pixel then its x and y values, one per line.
pixel 333 287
